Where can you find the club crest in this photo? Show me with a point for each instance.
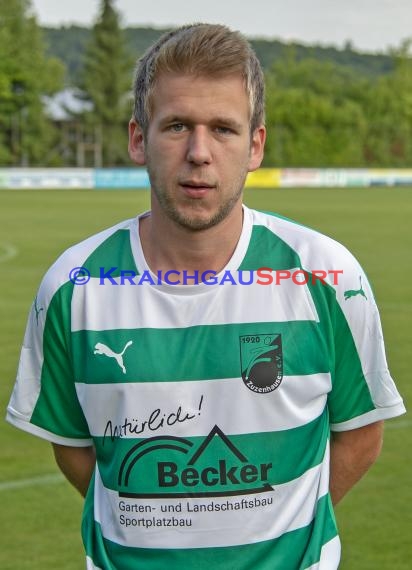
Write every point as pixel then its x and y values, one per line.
pixel 261 360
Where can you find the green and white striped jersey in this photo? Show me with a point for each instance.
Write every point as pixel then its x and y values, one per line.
pixel 210 405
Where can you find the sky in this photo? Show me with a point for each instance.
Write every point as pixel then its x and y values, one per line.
pixel 370 25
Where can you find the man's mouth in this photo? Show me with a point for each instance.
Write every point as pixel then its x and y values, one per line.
pixel 196 188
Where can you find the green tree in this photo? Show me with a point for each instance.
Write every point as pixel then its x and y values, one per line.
pixel 314 117
pixel 26 74
pixel 107 81
pixel 388 107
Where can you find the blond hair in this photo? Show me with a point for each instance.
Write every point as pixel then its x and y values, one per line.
pixel 210 50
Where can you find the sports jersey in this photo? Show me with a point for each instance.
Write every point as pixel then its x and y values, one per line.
pixel 210 404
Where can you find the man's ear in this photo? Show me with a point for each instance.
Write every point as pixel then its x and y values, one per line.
pixel 136 143
pixel 257 148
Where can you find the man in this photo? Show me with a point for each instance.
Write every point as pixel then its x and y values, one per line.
pixel 194 411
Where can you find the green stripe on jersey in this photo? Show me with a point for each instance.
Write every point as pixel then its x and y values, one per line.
pixel 58 391
pixel 268 250
pixel 350 396
pixel 194 353
pixel 114 252
pixel 127 464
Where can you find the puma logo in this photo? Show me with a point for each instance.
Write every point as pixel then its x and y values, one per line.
pixel 353 292
pixel 101 348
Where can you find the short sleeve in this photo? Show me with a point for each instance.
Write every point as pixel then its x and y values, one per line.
pixel 44 400
pixel 362 388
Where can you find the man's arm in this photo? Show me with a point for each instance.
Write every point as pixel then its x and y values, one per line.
pixel 352 453
pixel 77 464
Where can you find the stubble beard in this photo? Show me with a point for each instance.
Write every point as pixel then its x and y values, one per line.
pixel 195 223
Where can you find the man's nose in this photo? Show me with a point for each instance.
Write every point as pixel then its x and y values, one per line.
pixel 199 146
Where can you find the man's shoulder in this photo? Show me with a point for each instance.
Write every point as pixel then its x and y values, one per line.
pixel 69 266
pixel 315 251
pixel 306 241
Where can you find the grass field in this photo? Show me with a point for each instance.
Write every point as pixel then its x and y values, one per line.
pixel 40 513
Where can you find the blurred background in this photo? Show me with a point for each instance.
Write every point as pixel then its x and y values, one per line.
pixel 339 78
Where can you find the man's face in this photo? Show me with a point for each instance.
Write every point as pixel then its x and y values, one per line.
pixel 198 148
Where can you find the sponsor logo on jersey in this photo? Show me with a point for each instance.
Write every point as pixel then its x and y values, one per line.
pixel 172 467
pixel 353 292
pixel 103 349
pixel 261 361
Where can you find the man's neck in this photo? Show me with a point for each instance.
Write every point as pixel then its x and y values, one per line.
pixel 166 245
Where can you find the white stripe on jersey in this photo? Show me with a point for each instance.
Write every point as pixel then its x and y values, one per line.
pixel 300 400
pixel 219 304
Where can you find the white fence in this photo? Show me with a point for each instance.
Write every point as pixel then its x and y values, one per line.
pixel 137 178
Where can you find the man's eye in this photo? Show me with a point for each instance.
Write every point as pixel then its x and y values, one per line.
pixel 177 127
pixel 224 130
